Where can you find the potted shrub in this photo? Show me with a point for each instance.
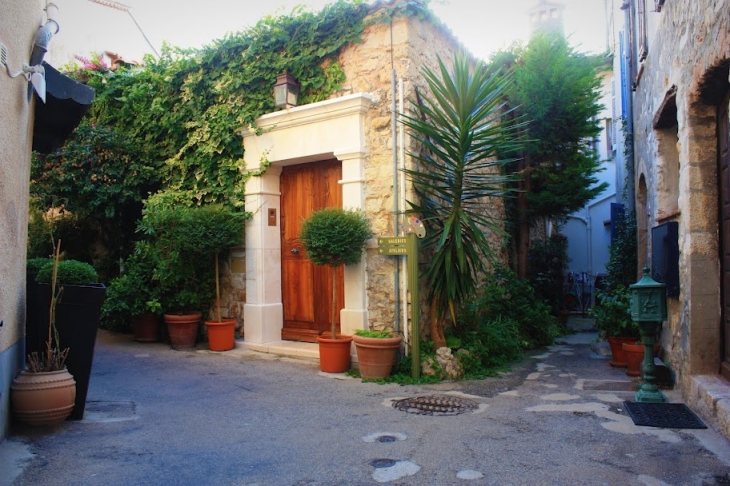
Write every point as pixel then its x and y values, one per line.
pixel 181 243
pixel 132 301
pixel 334 237
pixel 376 352
pixel 221 332
pixel 612 314
pixel 45 393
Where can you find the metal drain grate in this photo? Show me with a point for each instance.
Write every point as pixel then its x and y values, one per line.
pixel 665 415
pixel 436 405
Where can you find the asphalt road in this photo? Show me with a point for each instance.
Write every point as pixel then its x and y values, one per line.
pixel 156 416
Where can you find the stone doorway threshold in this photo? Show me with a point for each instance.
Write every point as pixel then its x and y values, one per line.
pixel 293 349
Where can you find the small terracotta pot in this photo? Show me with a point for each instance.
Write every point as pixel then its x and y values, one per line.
pixel 617 350
pixel 635 356
pixel 44 398
pixel 221 334
pixel 183 329
pixel 334 354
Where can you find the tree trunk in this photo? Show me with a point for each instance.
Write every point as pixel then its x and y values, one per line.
pixel 437 328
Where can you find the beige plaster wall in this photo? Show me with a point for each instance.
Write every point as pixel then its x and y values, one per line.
pixel 18 24
pixel 691 41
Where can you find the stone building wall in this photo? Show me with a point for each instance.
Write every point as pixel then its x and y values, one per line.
pixel 414 44
pixel 407 45
pixel 676 171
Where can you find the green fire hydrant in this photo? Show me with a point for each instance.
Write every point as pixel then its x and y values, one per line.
pixel 649 310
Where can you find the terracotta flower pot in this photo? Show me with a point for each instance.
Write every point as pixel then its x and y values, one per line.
pixel 221 334
pixel 635 356
pixel 617 351
pixel 183 329
pixel 376 356
pixel 44 398
pixel 146 328
pixel 334 354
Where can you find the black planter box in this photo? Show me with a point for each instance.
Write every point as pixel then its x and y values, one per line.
pixel 77 320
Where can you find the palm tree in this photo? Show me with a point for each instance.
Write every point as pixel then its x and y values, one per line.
pixel 461 128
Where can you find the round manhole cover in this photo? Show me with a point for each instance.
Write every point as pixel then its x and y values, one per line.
pixel 382 463
pixel 436 405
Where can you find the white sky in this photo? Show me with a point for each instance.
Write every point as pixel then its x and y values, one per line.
pixel 482 25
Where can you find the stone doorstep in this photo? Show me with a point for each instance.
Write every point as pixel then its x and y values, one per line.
pixel 709 396
pixel 292 349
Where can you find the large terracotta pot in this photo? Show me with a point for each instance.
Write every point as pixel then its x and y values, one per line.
pixel 334 354
pixel 146 328
pixel 182 329
pixel 635 356
pixel 617 351
pixel 44 398
pixel 376 356
pixel 221 334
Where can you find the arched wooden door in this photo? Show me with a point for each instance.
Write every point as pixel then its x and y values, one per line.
pixel 306 289
pixel 723 154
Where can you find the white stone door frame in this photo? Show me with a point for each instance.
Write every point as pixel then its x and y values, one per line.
pixel 318 131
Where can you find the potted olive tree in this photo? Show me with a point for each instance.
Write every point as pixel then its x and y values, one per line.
pixel 182 243
pixel 335 237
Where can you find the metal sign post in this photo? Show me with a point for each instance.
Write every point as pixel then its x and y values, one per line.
pixel 408 246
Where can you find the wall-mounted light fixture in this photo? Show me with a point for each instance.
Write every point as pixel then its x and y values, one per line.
pixel 286 91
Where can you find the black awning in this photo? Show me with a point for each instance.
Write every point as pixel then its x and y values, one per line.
pixel 67 101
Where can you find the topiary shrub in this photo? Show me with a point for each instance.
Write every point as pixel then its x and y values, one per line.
pixel 35 264
pixel 70 272
pixel 335 237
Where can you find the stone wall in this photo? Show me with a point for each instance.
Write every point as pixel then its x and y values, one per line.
pixel 675 169
pixel 413 44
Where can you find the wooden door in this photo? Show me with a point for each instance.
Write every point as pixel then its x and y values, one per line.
pixel 306 288
pixel 723 154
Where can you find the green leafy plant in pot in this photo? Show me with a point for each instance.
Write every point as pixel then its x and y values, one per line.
pixel 132 300
pixel 335 237
pixel 181 242
pixel 376 351
pixel 612 314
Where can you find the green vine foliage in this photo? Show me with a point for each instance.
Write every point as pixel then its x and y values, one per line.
pixel 188 107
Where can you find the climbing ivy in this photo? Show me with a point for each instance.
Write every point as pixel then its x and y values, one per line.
pixel 189 106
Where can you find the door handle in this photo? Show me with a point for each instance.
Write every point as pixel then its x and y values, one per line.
pixel 295 250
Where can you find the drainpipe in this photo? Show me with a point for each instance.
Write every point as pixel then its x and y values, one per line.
pixel 44 35
pixel 402 166
pixel 396 195
pixel 396 277
pixel 628 71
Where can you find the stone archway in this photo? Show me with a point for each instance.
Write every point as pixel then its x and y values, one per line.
pixel 318 131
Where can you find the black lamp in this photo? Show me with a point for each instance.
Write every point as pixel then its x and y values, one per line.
pixel 286 91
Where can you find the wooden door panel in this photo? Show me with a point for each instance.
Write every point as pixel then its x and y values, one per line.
pixel 307 288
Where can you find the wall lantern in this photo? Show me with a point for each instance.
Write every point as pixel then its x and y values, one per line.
pixel 286 91
pixel 649 310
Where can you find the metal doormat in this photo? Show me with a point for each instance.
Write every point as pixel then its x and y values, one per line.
pixel 436 405
pixel 664 415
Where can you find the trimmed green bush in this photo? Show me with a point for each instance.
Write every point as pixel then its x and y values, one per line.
pixel 35 264
pixel 70 272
